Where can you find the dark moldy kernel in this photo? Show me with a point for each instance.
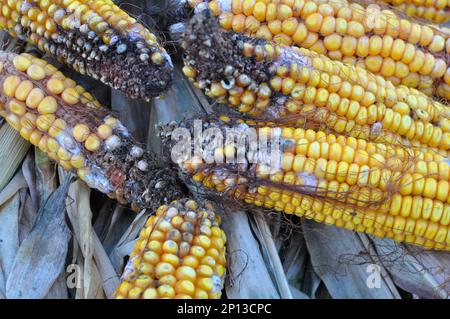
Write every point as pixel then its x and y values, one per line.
pixel 140 189
pixel 119 52
pixel 124 70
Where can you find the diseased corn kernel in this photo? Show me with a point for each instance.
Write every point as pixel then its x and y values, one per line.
pixel 77 161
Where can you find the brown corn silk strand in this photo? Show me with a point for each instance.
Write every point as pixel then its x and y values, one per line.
pixel 285 84
pixel 374 188
pixel 95 38
pixel 180 253
pixel 401 50
pixel 71 127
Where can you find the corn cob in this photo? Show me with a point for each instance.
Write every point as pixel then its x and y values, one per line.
pixel 180 253
pixel 401 51
pixel 435 11
pixel 273 81
pixel 95 38
pixel 367 187
pixel 67 123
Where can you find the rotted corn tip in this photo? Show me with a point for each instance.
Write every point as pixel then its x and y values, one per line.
pixel 137 75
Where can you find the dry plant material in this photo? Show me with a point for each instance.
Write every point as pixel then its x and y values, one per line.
pixel 368 187
pixel 13 150
pixel 397 48
pixel 298 87
pixel 180 253
pixel 96 38
pixel 69 125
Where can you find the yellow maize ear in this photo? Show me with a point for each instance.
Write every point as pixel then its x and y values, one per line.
pixel 68 124
pixel 402 51
pixel 437 11
pixel 284 84
pixel 347 182
pixel 180 253
pixel 96 38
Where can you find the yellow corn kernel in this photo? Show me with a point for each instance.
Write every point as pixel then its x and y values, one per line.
pixel 48 105
pixel 36 72
pixel 92 143
pixel 70 96
pixel 80 132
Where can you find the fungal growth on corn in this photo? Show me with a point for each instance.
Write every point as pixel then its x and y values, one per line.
pixel 397 48
pixel 293 85
pixel 71 127
pixel 375 188
pixel 180 253
pixel 95 38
